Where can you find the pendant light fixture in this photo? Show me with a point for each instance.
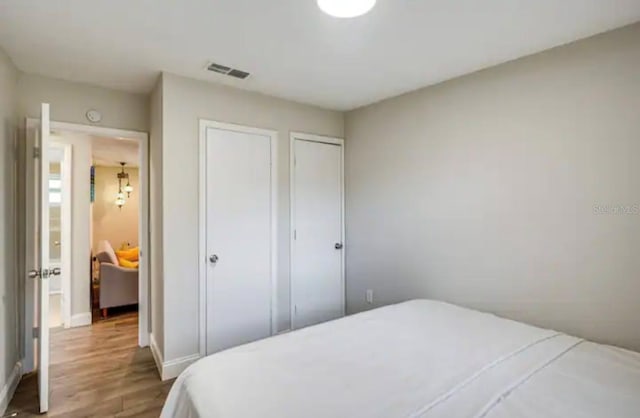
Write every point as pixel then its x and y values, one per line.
pixel 120 201
pixel 346 8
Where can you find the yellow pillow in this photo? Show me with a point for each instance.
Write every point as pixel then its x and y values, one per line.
pixel 127 264
pixel 132 254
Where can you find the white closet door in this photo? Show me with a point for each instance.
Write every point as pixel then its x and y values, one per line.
pixel 316 272
pixel 238 238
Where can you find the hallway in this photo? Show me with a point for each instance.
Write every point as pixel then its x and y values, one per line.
pixel 97 371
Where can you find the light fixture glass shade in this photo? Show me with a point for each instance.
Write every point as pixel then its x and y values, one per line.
pixel 120 195
pixel 346 8
pixel 120 202
pixel 128 188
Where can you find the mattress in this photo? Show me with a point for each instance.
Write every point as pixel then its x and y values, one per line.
pixel 420 358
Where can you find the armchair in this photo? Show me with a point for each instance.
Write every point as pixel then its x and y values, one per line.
pixel 118 285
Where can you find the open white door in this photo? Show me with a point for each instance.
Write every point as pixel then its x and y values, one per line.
pixel 41 271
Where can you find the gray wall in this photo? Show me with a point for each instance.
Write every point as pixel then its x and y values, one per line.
pixel 70 102
pixel 483 191
pixel 9 293
pixel 184 102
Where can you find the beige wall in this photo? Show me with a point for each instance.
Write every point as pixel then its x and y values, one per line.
pixel 9 287
pixel 184 102
pixel 484 191
pixel 116 225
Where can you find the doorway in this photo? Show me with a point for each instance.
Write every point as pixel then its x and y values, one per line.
pixel 317 229
pixel 75 139
pixel 114 227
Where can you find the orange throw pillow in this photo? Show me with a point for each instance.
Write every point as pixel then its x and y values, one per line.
pixel 127 264
pixel 132 254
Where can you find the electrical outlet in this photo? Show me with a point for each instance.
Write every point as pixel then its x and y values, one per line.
pixel 369 296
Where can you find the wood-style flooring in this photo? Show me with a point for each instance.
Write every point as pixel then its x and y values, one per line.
pixel 97 371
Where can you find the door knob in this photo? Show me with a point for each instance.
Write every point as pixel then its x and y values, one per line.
pixel 338 246
pixel 33 274
pixel 213 258
pixel 55 271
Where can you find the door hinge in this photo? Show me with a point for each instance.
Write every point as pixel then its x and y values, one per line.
pixel 36 152
pixel 295 309
pixel 36 332
pixel 295 234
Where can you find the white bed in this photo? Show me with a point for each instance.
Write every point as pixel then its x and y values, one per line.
pixel 415 359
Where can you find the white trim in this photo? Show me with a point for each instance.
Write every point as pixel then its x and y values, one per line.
pixel 292 177
pixel 80 320
pixel 144 215
pixel 274 232
pixel 202 240
pixel 6 392
pixel 65 228
pixel 30 256
pixel 202 218
pixel 316 138
pixel 172 368
pixel 97 130
pixel 143 277
pixel 155 351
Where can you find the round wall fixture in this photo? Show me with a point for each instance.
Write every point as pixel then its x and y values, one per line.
pixel 94 116
pixel 346 8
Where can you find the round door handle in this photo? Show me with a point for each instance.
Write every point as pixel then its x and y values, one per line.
pixel 338 246
pixel 33 274
pixel 213 258
pixel 55 271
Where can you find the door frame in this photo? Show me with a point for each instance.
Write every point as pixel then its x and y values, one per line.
pixel 65 230
pixel 301 136
pixel 143 227
pixel 202 221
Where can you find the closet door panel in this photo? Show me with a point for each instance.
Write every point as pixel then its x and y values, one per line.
pixel 238 238
pixel 316 271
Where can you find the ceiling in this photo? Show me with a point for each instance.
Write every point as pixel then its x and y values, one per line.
pixel 109 152
pixel 291 48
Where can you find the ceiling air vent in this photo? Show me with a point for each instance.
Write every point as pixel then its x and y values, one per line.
pixel 231 72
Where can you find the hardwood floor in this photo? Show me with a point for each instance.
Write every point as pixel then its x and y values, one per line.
pixel 97 371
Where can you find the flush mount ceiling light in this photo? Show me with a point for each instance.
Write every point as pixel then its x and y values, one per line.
pixel 346 8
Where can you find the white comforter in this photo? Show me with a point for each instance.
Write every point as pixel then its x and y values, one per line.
pixel 416 359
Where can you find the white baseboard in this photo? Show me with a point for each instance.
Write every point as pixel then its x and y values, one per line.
pixel 155 351
pixel 6 392
pixel 143 339
pixel 81 319
pixel 172 368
